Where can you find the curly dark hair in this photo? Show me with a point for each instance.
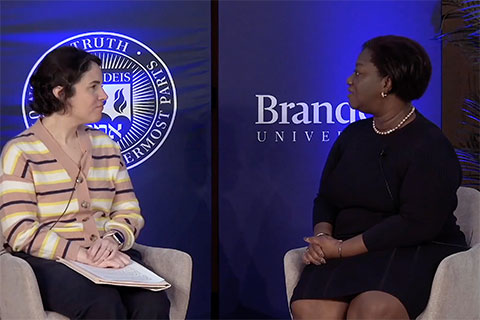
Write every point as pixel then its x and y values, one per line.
pixel 406 63
pixel 63 67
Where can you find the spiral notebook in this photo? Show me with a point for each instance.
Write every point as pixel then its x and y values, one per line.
pixel 132 275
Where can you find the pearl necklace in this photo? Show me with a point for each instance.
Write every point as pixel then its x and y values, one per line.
pixel 396 127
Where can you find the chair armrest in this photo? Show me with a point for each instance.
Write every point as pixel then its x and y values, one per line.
pixel 293 265
pixel 456 288
pixel 175 267
pixel 20 296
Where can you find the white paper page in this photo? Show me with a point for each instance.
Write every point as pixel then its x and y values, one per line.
pixel 134 272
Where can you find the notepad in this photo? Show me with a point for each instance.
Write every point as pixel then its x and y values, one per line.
pixel 132 275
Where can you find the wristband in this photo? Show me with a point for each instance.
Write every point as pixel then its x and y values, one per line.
pixel 117 237
pixel 322 234
pixel 339 248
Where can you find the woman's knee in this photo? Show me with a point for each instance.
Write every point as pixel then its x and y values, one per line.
pixel 298 309
pixel 367 310
pixel 376 305
pixel 105 303
pixel 158 310
pixel 318 309
pixel 145 304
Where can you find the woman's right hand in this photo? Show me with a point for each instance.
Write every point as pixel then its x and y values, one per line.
pixel 82 256
pixel 119 260
pixel 314 254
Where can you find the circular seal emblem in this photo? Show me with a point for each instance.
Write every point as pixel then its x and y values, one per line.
pixel 142 101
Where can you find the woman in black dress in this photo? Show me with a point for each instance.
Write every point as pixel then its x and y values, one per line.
pixel 383 217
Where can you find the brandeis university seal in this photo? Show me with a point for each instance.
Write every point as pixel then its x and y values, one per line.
pixel 142 101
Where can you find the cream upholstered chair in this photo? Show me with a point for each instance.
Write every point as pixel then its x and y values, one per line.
pixel 456 287
pixel 20 297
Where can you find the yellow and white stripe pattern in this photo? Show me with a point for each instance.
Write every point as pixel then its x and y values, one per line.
pixel 104 205
pixel 24 236
pixel 51 177
pixel 55 209
pixel 103 173
pixel 11 219
pixel 8 187
pixel 35 191
pixel 103 142
pixel 49 245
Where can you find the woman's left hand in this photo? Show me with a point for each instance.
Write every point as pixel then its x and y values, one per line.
pixel 119 260
pixel 102 249
pixel 328 244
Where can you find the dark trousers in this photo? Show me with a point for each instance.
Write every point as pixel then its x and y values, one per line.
pixel 71 294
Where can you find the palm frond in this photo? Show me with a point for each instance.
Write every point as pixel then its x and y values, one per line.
pixel 470 163
pixel 468 154
pixel 466 37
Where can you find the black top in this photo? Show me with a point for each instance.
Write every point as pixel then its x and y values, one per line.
pixel 397 189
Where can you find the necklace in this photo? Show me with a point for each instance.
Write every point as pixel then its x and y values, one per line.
pixel 396 127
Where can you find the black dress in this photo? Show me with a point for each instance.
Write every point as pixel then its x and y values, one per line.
pixel 399 191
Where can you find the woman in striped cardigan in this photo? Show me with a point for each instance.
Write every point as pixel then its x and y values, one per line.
pixel 65 193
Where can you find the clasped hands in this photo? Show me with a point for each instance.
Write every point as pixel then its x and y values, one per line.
pixel 103 253
pixel 320 248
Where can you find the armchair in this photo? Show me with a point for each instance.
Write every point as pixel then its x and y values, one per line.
pixel 456 286
pixel 20 297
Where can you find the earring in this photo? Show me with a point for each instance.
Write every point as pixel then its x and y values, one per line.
pixel 383 94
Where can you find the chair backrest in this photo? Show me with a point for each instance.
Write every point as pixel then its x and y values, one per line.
pixel 468 214
pixel 1 240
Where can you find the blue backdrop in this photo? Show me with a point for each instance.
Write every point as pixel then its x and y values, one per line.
pixel 173 185
pixel 282 101
pixel 293 56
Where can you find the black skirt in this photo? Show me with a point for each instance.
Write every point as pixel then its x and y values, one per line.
pixel 406 273
pixel 67 292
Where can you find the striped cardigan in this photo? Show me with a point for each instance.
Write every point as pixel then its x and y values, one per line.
pixel 37 181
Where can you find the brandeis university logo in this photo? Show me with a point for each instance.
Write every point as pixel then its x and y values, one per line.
pixel 142 100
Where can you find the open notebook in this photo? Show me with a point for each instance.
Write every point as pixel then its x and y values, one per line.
pixel 132 275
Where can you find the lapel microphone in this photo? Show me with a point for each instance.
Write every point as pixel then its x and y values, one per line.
pixel 75 181
pixel 382 156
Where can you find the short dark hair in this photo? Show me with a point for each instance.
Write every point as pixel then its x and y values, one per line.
pixel 64 67
pixel 405 61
